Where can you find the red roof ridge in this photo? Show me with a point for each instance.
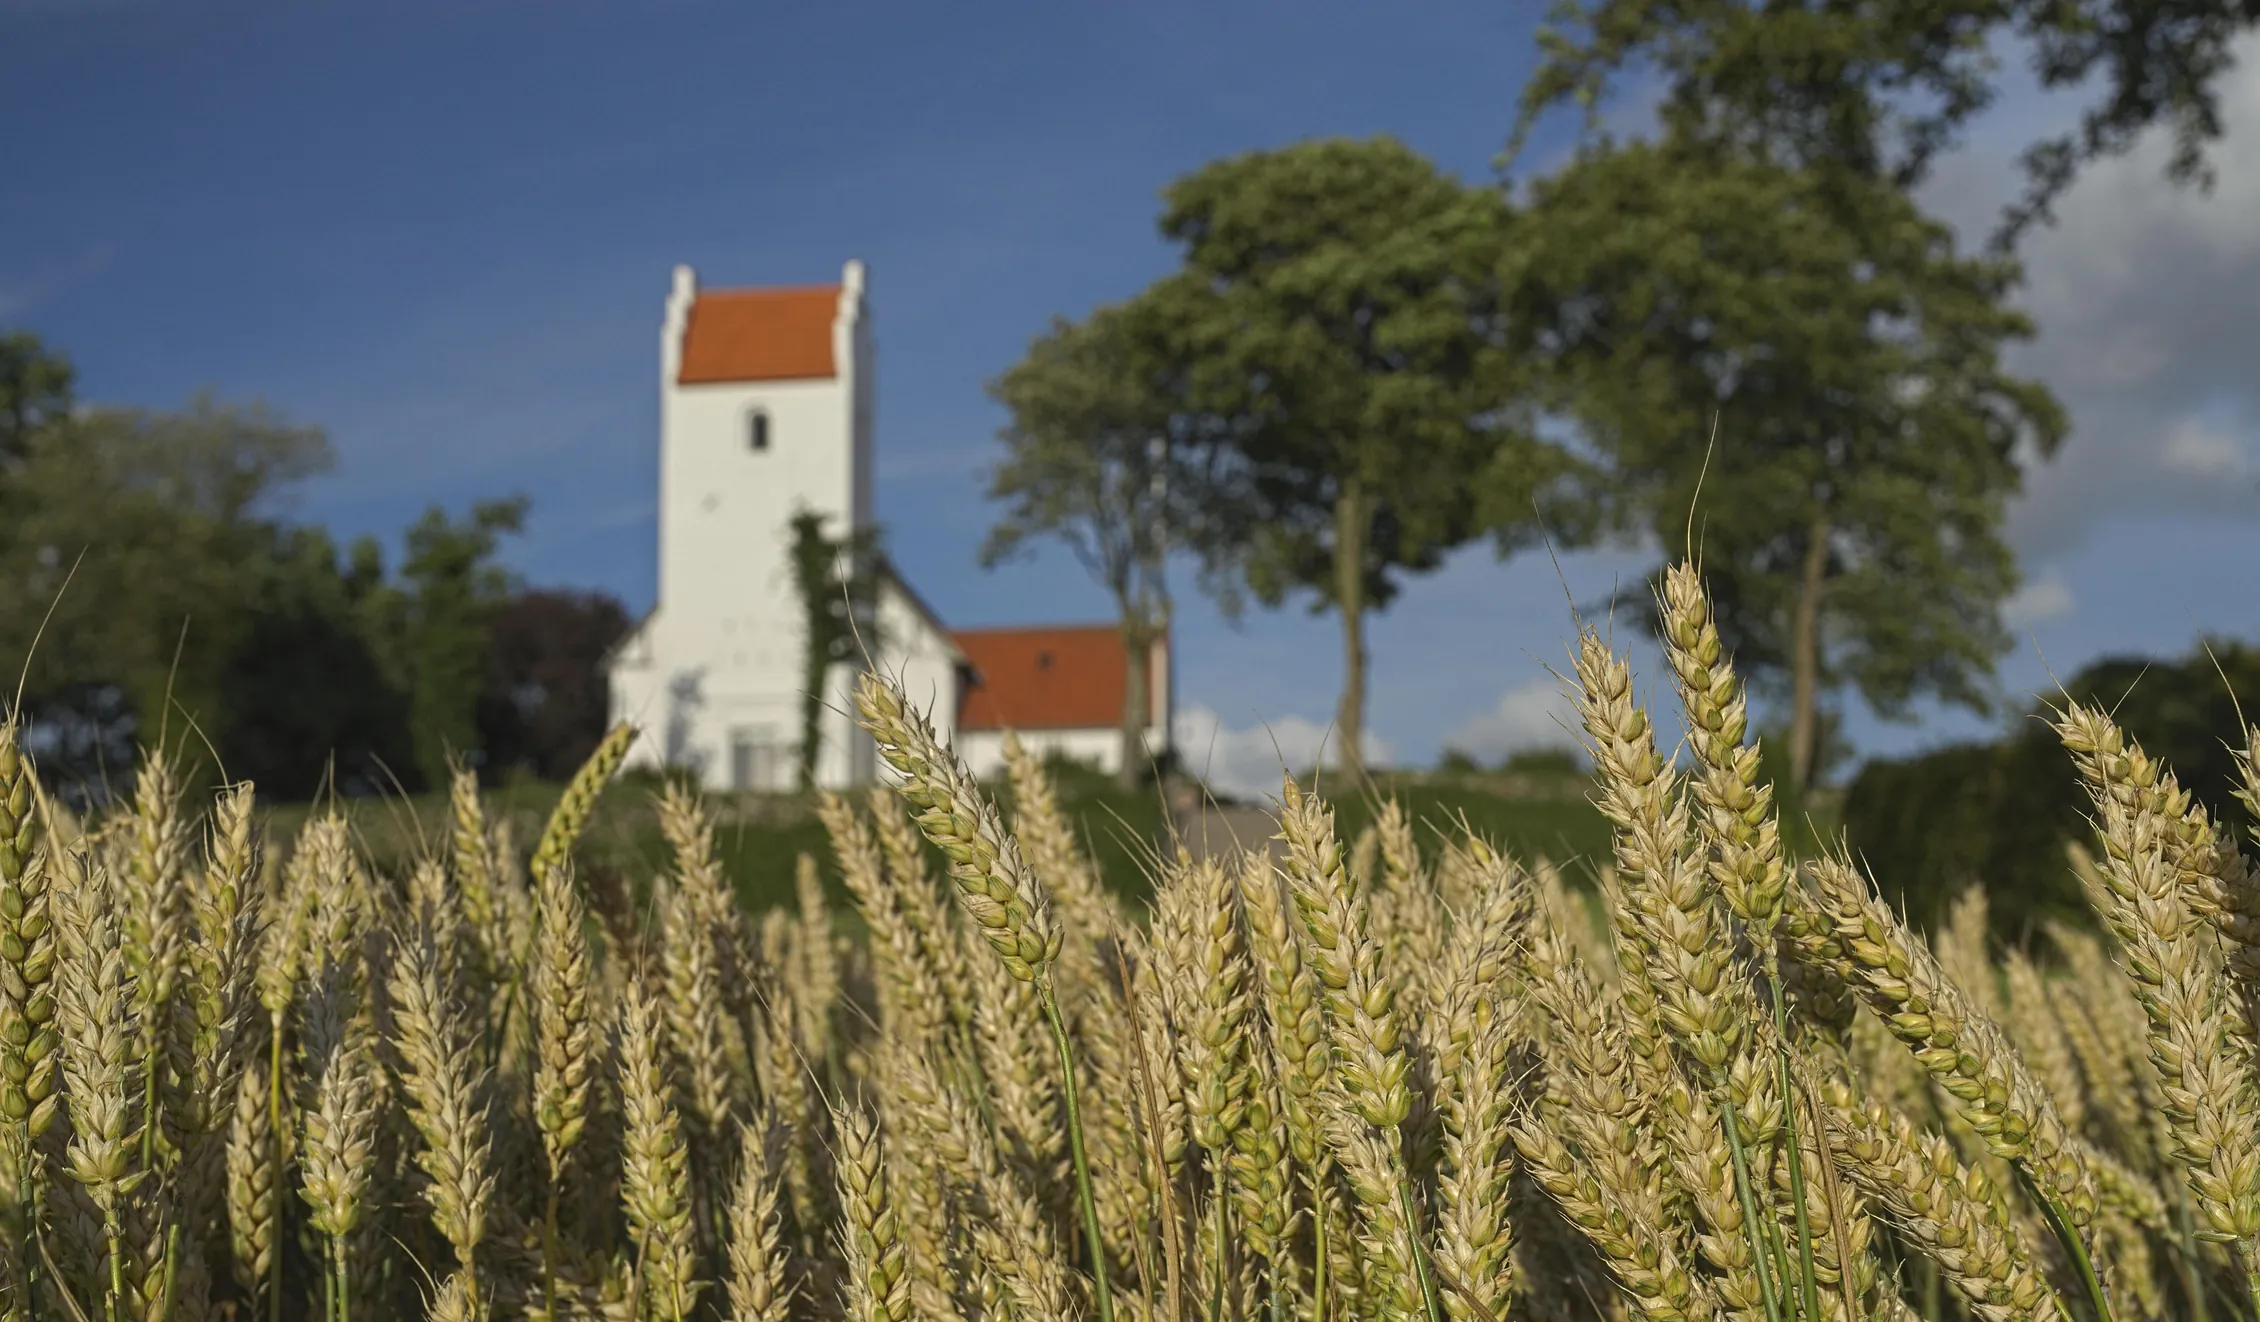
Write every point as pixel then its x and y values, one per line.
pixel 761 333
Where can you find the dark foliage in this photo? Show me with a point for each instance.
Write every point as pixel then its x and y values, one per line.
pixel 545 703
pixel 2001 814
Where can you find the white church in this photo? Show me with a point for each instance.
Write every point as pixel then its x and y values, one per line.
pixel 765 407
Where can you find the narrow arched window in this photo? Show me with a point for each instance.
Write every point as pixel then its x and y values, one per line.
pixel 757 430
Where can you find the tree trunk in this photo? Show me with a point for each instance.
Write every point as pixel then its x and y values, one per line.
pixel 1805 659
pixel 1137 707
pixel 1351 522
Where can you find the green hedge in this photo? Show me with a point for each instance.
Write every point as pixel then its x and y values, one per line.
pixel 2000 814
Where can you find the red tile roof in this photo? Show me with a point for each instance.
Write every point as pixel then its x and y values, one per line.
pixel 760 335
pixel 1043 679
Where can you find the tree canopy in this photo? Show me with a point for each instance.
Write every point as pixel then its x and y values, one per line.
pixel 1881 89
pixel 149 519
pixel 1104 453
pixel 36 388
pixel 453 587
pixel 1338 315
pixel 149 554
pixel 1849 360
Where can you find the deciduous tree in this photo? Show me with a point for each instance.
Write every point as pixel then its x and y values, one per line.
pixel 1883 88
pixel 547 699
pixel 155 520
pixel 1849 360
pixel 1338 315
pixel 1103 453
pixel 36 386
pixel 453 587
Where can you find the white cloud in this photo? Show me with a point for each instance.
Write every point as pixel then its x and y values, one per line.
pixel 2147 299
pixel 2042 599
pixel 2199 451
pixel 1250 760
pixel 1536 714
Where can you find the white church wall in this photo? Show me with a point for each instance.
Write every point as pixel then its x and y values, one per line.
pixel 726 657
pixel 1098 747
pixel 920 657
pixel 734 636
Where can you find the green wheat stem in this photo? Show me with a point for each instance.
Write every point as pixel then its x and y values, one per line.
pixel 115 1236
pixel 2074 1248
pixel 2193 1267
pixel 1760 1250
pixel 1428 1300
pixel 172 1272
pixel 26 1193
pixel 1808 1280
pixel 2252 1273
pixel 344 1282
pixel 549 1255
pixel 275 1190
pixel 1318 1230
pixel 1223 1220
pixel 1102 1298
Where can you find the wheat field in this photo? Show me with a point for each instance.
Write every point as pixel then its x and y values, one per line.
pixel 1401 1077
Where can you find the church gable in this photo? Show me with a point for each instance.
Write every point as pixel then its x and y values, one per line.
pixel 760 335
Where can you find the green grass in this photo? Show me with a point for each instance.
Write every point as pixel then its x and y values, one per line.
pixel 1530 817
pixel 761 836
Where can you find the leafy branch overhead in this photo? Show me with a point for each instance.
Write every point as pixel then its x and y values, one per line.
pixel 1885 90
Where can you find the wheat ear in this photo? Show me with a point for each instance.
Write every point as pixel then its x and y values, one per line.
pixel 1474 1239
pixel 1941 1205
pixel 252 1207
pixel 341 1128
pixel 564 1046
pixel 1742 839
pixel 96 1014
pixel 817 953
pixel 2207 1091
pixel 28 1041
pixel 1966 1054
pixel 1058 858
pixel 999 892
pixel 758 1288
pixel 912 1005
pixel 655 1179
pixel 878 1287
pixel 571 815
pixel 446 1102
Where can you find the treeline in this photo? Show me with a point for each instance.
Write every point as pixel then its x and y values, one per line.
pixel 2004 813
pixel 151 582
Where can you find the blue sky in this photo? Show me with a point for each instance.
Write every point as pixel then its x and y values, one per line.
pixel 443 232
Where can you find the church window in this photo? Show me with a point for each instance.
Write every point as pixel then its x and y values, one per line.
pixel 757 430
pixel 757 759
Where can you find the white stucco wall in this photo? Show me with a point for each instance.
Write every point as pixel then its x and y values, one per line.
pixel 919 655
pixel 715 675
pixel 1099 746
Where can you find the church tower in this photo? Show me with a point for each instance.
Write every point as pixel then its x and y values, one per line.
pixel 764 408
